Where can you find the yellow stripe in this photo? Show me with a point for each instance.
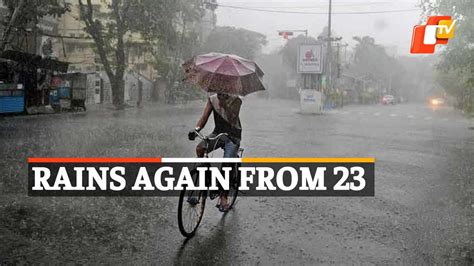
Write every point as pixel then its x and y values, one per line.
pixel 308 160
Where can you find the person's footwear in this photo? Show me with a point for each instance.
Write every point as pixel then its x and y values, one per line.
pixel 223 205
pixel 224 208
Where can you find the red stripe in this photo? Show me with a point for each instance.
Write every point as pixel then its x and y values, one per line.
pixel 94 160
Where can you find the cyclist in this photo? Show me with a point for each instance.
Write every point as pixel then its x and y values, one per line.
pixel 225 109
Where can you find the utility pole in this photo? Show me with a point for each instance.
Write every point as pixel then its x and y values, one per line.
pixel 139 85
pixel 328 49
pixel 338 73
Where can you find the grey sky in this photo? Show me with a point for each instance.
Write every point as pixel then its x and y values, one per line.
pixel 391 29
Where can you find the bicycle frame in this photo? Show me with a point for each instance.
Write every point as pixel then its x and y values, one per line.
pixel 207 139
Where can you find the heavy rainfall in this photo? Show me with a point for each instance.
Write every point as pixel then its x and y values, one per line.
pixel 316 78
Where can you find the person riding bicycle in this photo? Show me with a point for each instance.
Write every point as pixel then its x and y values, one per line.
pixel 226 109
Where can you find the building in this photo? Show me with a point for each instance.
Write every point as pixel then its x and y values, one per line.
pixel 77 48
pixel 27 57
pixel 32 39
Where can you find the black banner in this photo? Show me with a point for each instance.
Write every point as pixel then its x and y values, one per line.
pixel 168 179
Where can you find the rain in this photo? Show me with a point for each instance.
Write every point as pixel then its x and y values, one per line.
pixel 281 79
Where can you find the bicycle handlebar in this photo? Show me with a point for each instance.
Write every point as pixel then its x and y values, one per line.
pixel 201 136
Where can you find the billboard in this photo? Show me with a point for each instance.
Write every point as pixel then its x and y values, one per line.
pixel 310 58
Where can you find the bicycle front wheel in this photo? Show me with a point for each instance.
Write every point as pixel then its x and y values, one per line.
pixel 190 211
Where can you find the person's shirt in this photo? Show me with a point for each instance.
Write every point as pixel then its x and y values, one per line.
pixel 226 116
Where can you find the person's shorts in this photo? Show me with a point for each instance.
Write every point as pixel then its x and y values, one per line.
pixel 230 147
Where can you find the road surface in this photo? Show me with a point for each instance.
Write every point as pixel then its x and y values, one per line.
pixel 422 211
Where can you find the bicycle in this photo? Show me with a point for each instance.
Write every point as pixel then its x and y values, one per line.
pixel 192 203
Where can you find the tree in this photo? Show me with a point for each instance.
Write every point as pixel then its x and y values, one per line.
pixel 275 78
pixel 230 40
pixel 457 58
pixel 164 29
pixel 371 59
pixel 108 30
pixel 372 62
pixel 21 13
pixel 174 37
pixel 176 44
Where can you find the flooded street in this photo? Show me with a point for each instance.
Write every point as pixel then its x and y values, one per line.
pixel 356 120
pixel 422 211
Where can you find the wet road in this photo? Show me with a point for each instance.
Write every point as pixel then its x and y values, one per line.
pixel 422 211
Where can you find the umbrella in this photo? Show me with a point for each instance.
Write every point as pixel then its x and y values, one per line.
pixel 224 73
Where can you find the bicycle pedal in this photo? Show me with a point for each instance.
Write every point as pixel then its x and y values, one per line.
pixel 193 201
pixel 213 195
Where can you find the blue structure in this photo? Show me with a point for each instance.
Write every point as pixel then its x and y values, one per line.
pixel 12 100
pixel 24 78
pixel 64 92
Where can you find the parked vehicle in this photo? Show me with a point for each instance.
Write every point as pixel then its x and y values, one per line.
pixel 388 99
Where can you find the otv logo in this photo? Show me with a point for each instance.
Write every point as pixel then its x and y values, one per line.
pixel 438 30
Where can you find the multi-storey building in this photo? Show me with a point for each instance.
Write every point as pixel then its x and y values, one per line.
pixel 31 38
pixel 77 48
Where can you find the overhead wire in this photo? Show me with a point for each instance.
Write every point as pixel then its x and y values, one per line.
pixel 318 13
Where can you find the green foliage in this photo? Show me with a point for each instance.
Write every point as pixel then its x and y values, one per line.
pixel 103 25
pixel 371 60
pixel 34 9
pixel 372 64
pixel 454 82
pixel 156 21
pixel 230 40
pixel 22 13
pixel 170 29
pixel 456 67
pixel 109 28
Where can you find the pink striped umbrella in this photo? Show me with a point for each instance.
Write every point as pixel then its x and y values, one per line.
pixel 224 73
